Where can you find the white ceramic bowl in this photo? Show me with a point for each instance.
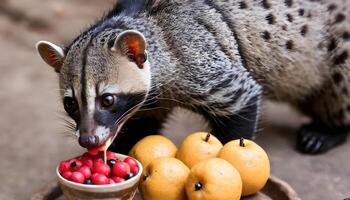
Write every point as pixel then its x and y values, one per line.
pixel 118 191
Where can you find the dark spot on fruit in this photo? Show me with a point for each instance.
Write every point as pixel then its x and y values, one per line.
pixel 337 78
pixel 303 30
pixel 129 176
pixel 144 177
pixel 270 18
pixel 289 44
pixel 88 181
pixel 198 186
pixel 340 59
pixel 243 5
pixel 339 18
pixel 332 7
pixel 290 17
pixel 346 35
pixel 266 35
pixel 111 162
pixel 332 44
pixel 301 12
pixel 265 4
pixel 288 3
pixel 73 164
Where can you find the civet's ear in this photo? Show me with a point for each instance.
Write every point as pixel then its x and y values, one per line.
pixel 52 54
pixel 133 44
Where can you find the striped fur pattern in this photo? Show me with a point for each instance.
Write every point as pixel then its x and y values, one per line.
pixel 217 58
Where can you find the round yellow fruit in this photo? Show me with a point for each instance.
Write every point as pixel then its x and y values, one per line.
pixel 197 147
pixel 164 179
pixel 214 179
pixel 152 147
pixel 251 161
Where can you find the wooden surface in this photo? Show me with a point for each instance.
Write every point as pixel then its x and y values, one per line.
pixel 275 189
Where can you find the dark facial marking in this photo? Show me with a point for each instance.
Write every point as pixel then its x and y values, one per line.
pixel 71 107
pixel 123 103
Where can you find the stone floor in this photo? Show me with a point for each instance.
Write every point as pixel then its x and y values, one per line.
pixel 33 138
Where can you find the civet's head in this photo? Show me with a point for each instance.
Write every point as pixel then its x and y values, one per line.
pixel 104 78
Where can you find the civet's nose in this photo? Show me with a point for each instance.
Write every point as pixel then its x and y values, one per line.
pixel 89 141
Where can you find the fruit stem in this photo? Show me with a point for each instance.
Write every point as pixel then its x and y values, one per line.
pixel 241 142
pixel 207 137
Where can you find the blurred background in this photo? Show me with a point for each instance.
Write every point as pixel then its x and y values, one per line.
pixel 33 138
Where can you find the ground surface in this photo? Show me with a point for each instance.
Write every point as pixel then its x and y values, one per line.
pixel 32 138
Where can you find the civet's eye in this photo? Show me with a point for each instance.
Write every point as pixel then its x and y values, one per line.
pixel 70 105
pixel 107 100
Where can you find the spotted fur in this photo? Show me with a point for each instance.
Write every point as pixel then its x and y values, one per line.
pixel 217 58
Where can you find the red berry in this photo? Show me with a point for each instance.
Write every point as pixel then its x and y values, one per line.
pixel 93 175
pixel 112 155
pixel 93 151
pixel 97 161
pixel 121 169
pixel 85 170
pixel 134 169
pixel 66 175
pixel 99 179
pixel 132 162
pixel 110 181
pixel 75 164
pixel 77 177
pixel 87 161
pixel 64 166
pixel 117 179
pixel 102 168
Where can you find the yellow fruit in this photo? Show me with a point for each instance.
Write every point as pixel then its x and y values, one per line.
pixel 164 179
pixel 197 147
pixel 214 179
pixel 251 161
pixel 152 147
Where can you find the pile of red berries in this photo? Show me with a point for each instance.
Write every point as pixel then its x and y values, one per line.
pixel 91 169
